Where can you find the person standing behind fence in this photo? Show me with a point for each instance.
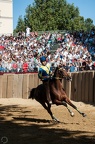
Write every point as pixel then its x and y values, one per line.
pixel 44 75
pixel 85 66
pixel 25 66
pixel 14 66
pixel 1 67
pixel 19 62
pixel 72 67
pixel 28 31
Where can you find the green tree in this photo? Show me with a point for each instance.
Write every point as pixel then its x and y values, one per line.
pixel 88 24
pixel 20 24
pixel 44 15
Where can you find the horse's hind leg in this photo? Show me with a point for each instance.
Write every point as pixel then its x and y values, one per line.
pixel 48 108
pixel 72 105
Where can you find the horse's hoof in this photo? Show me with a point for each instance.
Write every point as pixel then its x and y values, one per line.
pixel 72 114
pixel 83 114
pixel 56 120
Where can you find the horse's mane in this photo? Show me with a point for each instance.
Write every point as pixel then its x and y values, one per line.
pixel 55 71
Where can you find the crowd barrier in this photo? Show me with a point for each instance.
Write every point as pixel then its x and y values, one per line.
pixel 81 88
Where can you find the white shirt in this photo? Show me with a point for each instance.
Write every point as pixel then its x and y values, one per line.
pixel 27 31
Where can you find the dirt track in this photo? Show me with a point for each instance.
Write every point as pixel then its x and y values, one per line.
pixel 27 122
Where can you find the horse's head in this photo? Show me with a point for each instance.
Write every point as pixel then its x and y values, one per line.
pixel 61 73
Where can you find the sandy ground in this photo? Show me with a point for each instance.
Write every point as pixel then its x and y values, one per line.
pixel 25 121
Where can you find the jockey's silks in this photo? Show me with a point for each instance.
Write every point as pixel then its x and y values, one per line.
pixel 44 71
pixel 46 68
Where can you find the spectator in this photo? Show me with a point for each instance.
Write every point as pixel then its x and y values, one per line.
pixel 71 46
pixel 25 66
pixel 19 63
pixel 1 68
pixel 93 66
pixel 85 66
pixel 14 66
pixel 72 67
pixel 28 31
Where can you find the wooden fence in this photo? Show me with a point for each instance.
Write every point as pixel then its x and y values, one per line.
pixel 82 87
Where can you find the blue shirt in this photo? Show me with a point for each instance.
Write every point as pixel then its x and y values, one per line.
pixel 72 68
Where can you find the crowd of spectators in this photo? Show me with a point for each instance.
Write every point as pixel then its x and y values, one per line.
pixel 75 51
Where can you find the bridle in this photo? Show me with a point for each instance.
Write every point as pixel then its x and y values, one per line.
pixel 58 77
pixel 61 74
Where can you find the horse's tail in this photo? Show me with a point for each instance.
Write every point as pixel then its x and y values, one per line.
pixel 32 95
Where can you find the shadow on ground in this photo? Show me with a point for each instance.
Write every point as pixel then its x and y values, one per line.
pixel 29 130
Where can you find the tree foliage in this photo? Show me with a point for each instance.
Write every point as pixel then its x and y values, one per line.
pixel 46 15
pixel 20 25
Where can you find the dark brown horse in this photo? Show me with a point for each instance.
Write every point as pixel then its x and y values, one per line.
pixel 58 94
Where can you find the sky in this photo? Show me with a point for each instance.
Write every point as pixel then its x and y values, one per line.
pixel 86 8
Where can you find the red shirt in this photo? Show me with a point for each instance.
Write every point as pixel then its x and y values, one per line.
pixel 14 66
pixel 25 67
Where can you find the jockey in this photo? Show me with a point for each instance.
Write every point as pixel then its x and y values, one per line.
pixel 44 74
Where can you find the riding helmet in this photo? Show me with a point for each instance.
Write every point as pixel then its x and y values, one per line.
pixel 42 59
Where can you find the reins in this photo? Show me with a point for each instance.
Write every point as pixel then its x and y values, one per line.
pixel 57 78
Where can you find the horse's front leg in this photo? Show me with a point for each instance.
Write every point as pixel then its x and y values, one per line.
pixel 48 108
pixel 72 105
pixel 57 102
pixel 65 104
